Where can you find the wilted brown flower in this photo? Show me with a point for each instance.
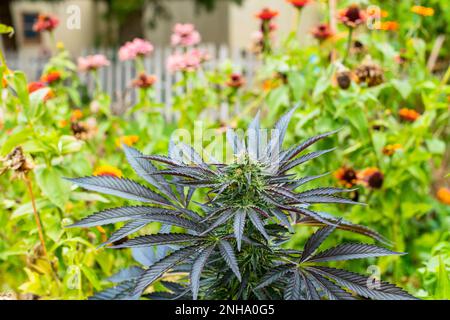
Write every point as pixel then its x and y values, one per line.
pixel 343 77
pixel 84 130
pixel 370 73
pixel 16 162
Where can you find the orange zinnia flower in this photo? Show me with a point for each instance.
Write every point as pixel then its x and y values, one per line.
pixel 51 77
pixel 410 115
pixel 127 140
pixel 299 3
pixel 443 195
pixel 267 14
pixel 387 26
pixel 371 177
pixel 77 114
pixel 390 149
pixel 346 176
pixel 423 11
pixel 107 170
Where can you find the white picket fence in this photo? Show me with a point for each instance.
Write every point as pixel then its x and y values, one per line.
pixel 116 79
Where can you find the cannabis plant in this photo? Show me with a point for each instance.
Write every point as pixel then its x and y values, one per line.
pixel 231 244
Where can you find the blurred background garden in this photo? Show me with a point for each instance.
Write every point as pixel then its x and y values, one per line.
pixel 82 77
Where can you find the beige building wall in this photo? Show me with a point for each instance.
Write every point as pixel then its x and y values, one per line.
pixel 242 20
pixel 211 25
pixel 74 39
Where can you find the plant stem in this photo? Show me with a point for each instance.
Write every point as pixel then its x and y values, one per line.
pixel 349 44
pixel 36 216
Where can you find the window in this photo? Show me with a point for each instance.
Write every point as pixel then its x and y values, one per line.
pixel 29 35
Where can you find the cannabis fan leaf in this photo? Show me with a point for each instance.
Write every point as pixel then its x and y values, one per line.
pixel 228 241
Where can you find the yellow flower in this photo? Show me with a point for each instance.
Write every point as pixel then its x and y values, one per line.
pixel 127 140
pixel 443 195
pixel 60 45
pixel 423 11
pixel 390 149
pixel 107 170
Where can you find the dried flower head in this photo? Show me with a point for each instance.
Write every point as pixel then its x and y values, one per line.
pixel 84 130
pixel 352 16
pixel 17 163
pixel 45 22
pixel 343 77
pixel 371 177
pixel 369 73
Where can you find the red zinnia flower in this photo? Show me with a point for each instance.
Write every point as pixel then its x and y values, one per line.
pixel 235 81
pixel 352 16
pixel 45 22
pixel 35 86
pixel 299 3
pixel 267 14
pixel 144 81
pixel 322 32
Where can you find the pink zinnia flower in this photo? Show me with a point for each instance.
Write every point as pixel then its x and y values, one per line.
pixel 135 48
pixel 189 61
pixel 93 62
pixel 185 35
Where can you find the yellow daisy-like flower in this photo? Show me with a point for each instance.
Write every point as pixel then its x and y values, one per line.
pixel 107 170
pixel 423 11
pixel 127 140
pixel 390 149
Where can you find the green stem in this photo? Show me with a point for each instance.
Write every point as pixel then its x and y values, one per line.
pixel 349 44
